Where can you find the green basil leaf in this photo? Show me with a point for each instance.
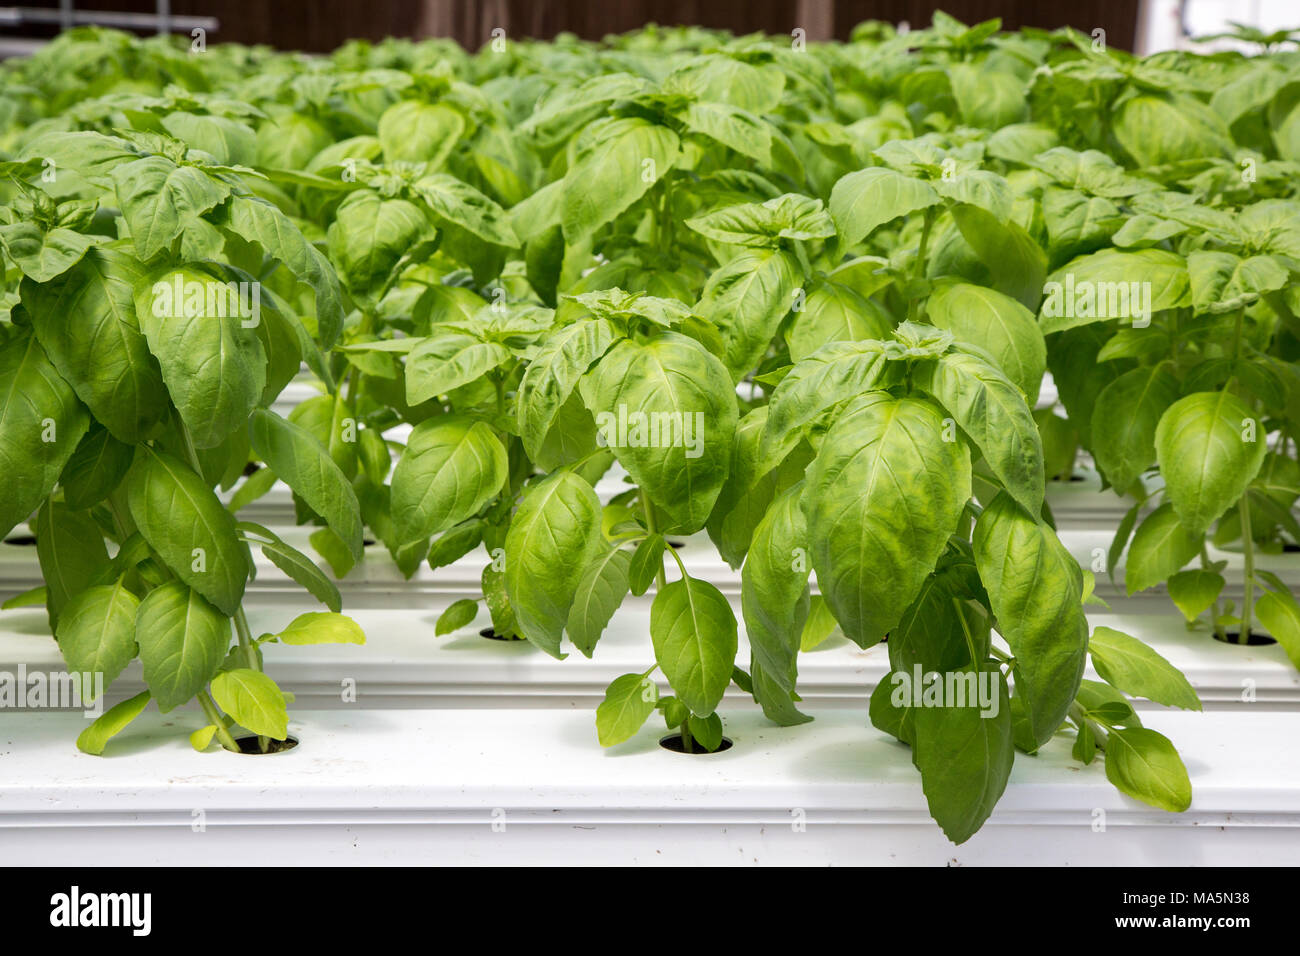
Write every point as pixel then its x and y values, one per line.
pixel 95 469
pixel 303 464
pixel 41 423
pixel 1133 667
pixel 774 589
pixel 159 199
pixel 1131 407
pixel 304 571
pixel 885 491
pixel 322 627
pixel 96 634
pixel 1210 447
pixel 457 615
pixel 628 157
pixel 71 551
pixel 647 561
pixel 629 702
pixel 554 373
pixel 185 523
pixel 996 323
pixel 864 200
pixel 552 538
pixel 1195 591
pixel 1279 612
pixel 601 589
pixel 448 360
pixel 110 723
pixel 746 300
pixel 694 634
pixel 964 755
pixel 451 468
pixel 183 640
pixel 993 412
pixel 1036 590
pixel 1161 546
pixel 211 359
pixel 1145 765
pixel 253 700
pixel 667 409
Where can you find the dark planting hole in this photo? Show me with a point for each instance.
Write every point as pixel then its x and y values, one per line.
pixel 249 745
pixel 22 540
pixel 1071 478
pixel 492 635
pixel 251 468
pixel 676 545
pixel 673 742
pixel 367 542
pixel 1291 548
pixel 1255 639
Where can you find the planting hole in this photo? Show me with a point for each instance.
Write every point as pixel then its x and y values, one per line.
pixel 1256 639
pixel 22 540
pixel 676 545
pixel 673 742
pixel 492 635
pixel 1291 548
pixel 367 542
pixel 249 745
pixel 251 468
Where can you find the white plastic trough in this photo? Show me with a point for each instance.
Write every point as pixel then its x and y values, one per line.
pixel 517 787
pixel 405 665
pixel 376 581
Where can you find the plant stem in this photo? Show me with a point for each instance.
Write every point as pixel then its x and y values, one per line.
pixel 1215 626
pixel 918 272
pixel 1248 548
pixel 688 742
pixel 246 639
pixel 214 715
pixel 970 641
pixel 650 526
pixel 1099 734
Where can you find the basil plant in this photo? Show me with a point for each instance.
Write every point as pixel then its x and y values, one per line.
pixel 139 359
pixel 907 474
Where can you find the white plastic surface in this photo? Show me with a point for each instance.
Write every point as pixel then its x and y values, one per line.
pixel 405 665
pixel 428 786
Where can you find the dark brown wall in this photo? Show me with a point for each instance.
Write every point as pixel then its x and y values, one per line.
pixel 320 25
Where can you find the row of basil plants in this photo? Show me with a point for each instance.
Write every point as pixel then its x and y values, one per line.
pixel 805 298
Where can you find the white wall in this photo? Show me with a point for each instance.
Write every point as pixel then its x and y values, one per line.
pixel 1161 23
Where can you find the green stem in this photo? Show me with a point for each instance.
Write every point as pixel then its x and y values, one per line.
pixel 650 526
pixel 1248 547
pixel 970 641
pixel 1098 732
pixel 1214 608
pixel 246 639
pixel 214 717
pixel 918 272
pixel 688 742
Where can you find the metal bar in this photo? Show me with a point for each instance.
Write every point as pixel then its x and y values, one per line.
pixel 105 18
